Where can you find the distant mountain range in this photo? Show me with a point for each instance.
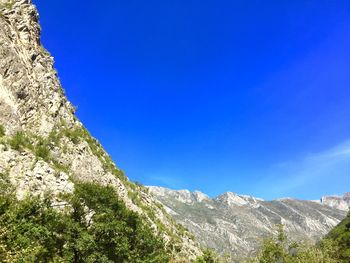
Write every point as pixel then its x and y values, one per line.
pixel 236 224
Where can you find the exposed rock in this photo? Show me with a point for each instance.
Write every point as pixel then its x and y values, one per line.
pixel 238 223
pixel 339 202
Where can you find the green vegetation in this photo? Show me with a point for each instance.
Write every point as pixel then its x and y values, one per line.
pixel 335 248
pixel 20 141
pixel 94 226
pixel 79 134
pixel 341 235
pixel 2 131
pixel 208 256
pixel 42 147
pixel 7 5
pixel 42 150
pixel 38 145
pixel 75 135
pixel 279 250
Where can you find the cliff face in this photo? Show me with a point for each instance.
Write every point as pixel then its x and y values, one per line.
pixel 339 202
pixel 45 148
pixel 237 224
pixel 31 95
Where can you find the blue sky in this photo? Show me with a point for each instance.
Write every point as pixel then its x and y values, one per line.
pixel 244 96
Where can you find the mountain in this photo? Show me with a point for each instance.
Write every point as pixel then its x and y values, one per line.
pixel 339 202
pixel 236 224
pixel 44 148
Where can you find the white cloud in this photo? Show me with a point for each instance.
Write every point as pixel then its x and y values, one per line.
pixel 312 169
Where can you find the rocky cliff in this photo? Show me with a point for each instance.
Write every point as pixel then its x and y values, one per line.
pixel 339 202
pixel 44 148
pixel 237 224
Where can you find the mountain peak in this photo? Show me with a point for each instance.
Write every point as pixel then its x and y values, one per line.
pixel 183 195
pixel 233 199
pixel 346 195
pixel 199 196
pixel 336 201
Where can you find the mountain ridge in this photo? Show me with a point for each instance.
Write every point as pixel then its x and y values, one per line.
pixel 341 202
pixel 230 223
pixel 323 199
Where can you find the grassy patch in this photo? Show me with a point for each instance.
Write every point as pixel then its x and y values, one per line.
pixel 42 150
pixel 2 131
pixel 39 146
pixel 75 135
pixel 20 141
pixel 80 134
pixel 7 5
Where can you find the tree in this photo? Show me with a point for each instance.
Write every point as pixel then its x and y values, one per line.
pixel 278 249
pixel 208 256
pixel 95 227
pixel 341 235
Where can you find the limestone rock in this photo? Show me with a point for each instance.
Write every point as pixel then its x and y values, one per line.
pixel 237 224
pixel 339 202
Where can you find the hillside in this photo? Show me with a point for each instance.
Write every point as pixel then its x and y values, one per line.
pixel 341 234
pixel 44 148
pixel 237 224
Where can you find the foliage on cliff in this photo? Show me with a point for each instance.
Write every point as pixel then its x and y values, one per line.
pixel 92 226
pixel 279 250
pixel 341 235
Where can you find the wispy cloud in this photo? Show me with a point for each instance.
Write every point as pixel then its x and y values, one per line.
pixel 332 166
pixel 166 181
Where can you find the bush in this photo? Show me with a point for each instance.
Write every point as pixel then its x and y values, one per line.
pixel 208 256
pixel 6 5
pixel 96 227
pixel 42 150
pixel 279 250
pixel 75 135
pixel 2 131
pixel 38 145
pixel 19 141
pixel 341 235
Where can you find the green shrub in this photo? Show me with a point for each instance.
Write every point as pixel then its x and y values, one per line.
pixel 95 227
pixel 75 135
pixel 2 131
pixel 42 151
pixel 19 141
pixel 209 256
pixel 38 145
pixel 279 250
pixel 341 235
pixel 54 137
pixel 7 5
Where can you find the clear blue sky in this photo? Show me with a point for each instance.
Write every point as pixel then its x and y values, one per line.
pixel 249 96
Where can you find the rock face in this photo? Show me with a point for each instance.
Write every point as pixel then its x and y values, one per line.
pixel 45 147
pixel 338 202
pixel 237 224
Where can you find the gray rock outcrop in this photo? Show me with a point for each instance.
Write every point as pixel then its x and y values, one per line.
pixel 339 202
